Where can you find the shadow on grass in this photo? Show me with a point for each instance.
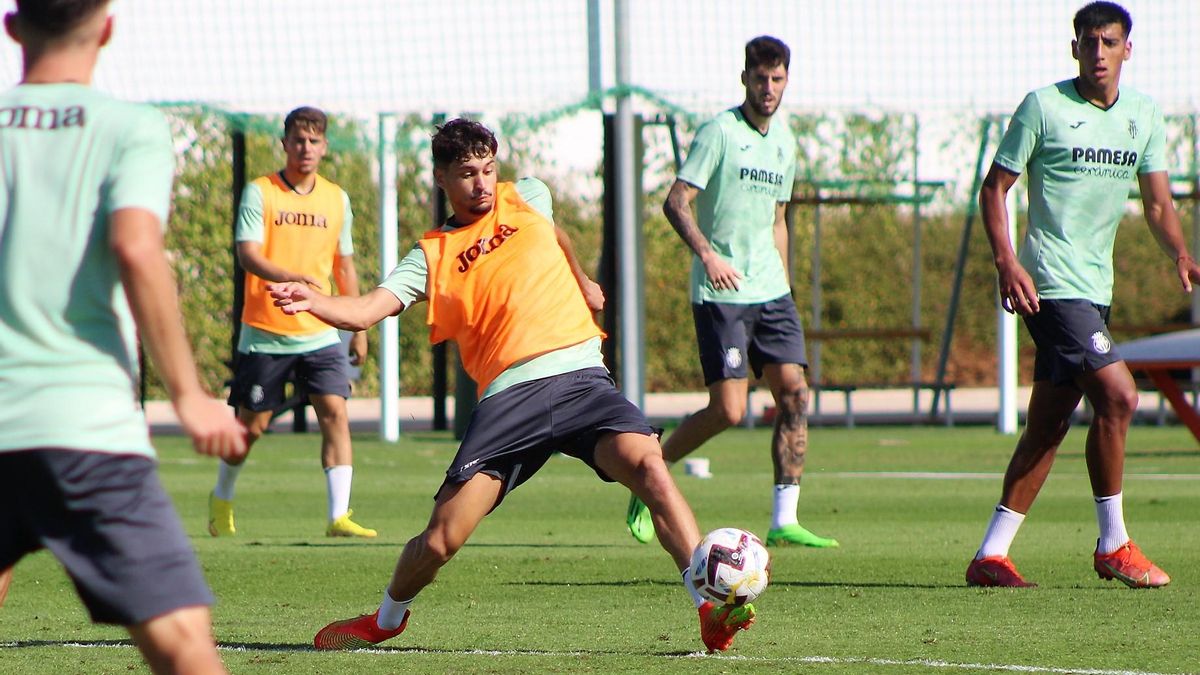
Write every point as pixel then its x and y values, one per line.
pixel 1134 453
pixel 287 647
pixel 849 585
pixel 347 543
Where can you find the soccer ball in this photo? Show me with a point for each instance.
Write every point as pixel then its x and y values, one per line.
pixel 730 567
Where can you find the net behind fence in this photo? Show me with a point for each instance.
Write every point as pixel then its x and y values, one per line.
pixel 882 94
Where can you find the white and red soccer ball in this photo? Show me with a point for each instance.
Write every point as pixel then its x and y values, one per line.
pixel 730 567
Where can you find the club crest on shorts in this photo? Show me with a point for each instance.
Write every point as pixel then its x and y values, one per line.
pixel 256 394
pixel 1100 342
pixel 733 357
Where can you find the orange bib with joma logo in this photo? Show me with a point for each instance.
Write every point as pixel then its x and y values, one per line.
pixel 300 234
pixel 502 289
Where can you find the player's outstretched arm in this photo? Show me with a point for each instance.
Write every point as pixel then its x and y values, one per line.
pixel 135 237
pixel 1017 290
pixel 251 258
pixel 678 210
pixel 1163 220
pixel 346 312
pixel 592 293
pixel 345 274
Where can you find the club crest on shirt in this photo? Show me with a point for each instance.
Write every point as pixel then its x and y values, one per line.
pixel 1133 130
pixel 1100 342
pixel 733 357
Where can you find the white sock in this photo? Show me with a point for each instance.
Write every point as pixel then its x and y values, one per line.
pixel 1110 514
pixel 1000 532
pixel 337 479
pixel 391 612
pixel 226 478
pixel 697 599
pixel 787 497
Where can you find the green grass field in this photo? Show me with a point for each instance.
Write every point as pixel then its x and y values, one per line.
pixel 551 582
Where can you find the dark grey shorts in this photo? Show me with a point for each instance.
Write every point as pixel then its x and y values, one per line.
pixel 731 335
pixel 1072 338
pixel 513 433
pixel 259 380
pixel 108 521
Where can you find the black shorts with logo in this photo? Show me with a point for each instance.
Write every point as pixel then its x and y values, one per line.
pixel 1072 338
pixel 513 433
pixel 769 332
pixel 109 522
pixel 258 384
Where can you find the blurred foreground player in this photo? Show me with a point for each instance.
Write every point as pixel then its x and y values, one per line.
pixel 87 185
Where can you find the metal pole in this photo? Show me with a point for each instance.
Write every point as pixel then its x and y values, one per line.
pixel 915 348
pixel 1195 207
pixel 389 328
pixel 628 250
pixel 960 265
pixel 815 280
pixel 1006 420
pixel 595 62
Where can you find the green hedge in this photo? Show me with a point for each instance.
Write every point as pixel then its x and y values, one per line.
pixel 866 252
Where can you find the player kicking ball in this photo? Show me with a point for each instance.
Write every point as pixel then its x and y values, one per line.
pixel 1082 141
pixel 502 281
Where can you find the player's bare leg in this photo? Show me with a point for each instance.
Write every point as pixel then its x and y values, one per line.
pixel 789 443
pixel 220 500
pixel 179 642
pixel 5 582
pixel 726 407
pixel 635 461
pixel 1113 395
pixel 1047 423
pixel 334 420
pixel 256 425
pixel 789 447
pixel 337 457
pixel 457 512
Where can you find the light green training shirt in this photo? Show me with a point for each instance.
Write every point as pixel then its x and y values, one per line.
pixel 743 175
pixel 408 282
pixel 1081 160
pixel 70 157
pixel 250 228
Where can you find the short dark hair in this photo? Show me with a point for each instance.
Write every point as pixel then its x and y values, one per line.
pixel 308 117
pixel 57 17
pixel 765 50
pixel 460 140
pixel 1100 14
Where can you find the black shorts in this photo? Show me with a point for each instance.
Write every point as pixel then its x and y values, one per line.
pixel 513 433
pixel 259 380
pixel 769 332
pixel 1072 338
pixel 108 521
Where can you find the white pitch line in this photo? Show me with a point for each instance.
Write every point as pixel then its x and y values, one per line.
pixel 809 660
pixel 969 475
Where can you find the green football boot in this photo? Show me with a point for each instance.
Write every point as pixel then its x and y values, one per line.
pixel 798 535
pixel 641 526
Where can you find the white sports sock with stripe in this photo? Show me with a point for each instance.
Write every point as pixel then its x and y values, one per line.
pixel 391 612
pixel 226 479
pixel 1110 514
pixel 1000 532
pixel 337 480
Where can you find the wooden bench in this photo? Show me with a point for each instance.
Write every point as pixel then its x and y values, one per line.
pixel 942 389
pixel 846 389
